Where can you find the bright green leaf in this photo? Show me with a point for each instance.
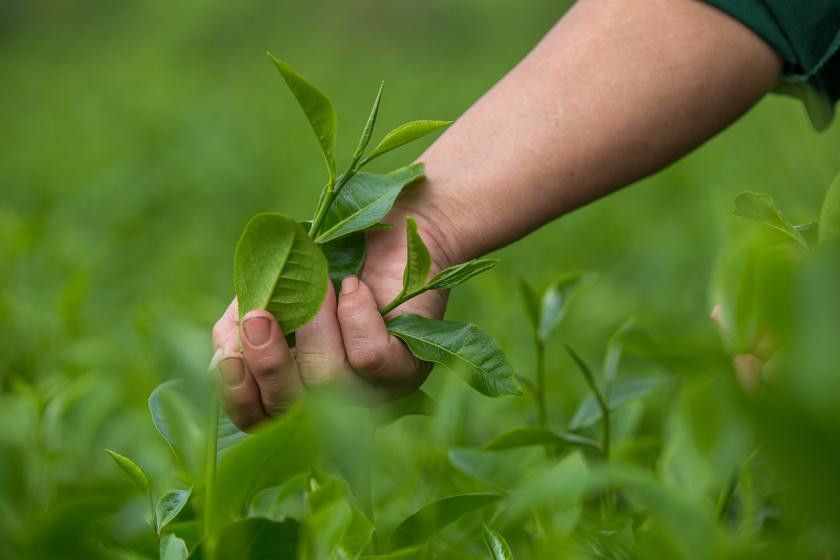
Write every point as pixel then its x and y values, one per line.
pixel 365 200
pixel 276 451
pixel 318 109
pixel 623 391
pixel 173 548
pixel 830 214
pixel 278 267
pixel 423 524
pixel 179 424
pixel 460 273
pixel 761 208
pixel 371 121
pixel 462 347
pixel 169 506
pixel 496 544
pixel 418 261
pixel 538 435
pixel 133 470
pixel 404 134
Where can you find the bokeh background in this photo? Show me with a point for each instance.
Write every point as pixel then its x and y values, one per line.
pixel 137 138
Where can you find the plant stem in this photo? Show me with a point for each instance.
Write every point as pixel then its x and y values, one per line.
pixel 599 397
pixel 332 193
pixel 542 412
pixel 401 298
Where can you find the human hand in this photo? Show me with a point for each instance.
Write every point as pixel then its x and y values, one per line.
pixel 346 343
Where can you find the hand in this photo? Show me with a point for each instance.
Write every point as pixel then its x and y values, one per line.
pixel 347 342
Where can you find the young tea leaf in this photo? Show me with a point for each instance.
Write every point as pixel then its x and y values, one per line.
pixel 528 436
pixel 830 213
pixel 133 470
pixel 531 304
pixel 179 424
pixel 173 548
pixel 404 134
pixel 462 347
pixel 423 524
pixel 496 544
pixel 318 109
pixel 555 302
pixel 365 200
pixel 278 267
pixel 761 208
pixel 169 506
pixel 368 130
pixel 460 273
pixel 418 261
pixel 622 392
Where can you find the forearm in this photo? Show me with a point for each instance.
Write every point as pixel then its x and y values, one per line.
pixel 617 90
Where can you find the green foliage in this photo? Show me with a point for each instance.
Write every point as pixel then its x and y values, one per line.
pixel 278 267
pixel 424 523
pixel 829 225
pixel 169 506
pixel 461 347
pixel 496 544
pixel 761 208
pixel 173 548
pixel 404 134
pixel 538 435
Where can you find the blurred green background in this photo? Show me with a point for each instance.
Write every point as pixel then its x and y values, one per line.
pixel 137 138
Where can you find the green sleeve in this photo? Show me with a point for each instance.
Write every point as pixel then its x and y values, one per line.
pixel 806 34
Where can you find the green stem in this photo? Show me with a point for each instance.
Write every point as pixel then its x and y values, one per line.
pixel 599 397
pixel 210 475
pixel 332 193
pixel 542 411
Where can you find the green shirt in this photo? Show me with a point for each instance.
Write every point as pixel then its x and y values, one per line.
pixel 806 34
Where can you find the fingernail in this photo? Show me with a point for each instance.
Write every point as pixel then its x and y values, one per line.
pixel 257 330
pixel 232 371
pixel 349 285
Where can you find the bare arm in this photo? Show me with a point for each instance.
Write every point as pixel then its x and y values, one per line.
pixel 618 89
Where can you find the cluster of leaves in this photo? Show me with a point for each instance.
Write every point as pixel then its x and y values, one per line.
pixel 284 266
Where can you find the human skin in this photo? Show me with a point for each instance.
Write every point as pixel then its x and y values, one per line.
pixel 617 90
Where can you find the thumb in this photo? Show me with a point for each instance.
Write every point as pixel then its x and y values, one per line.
pixel 371 350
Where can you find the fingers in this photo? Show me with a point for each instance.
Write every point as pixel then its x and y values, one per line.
pixel 238 392
pixel 320 350
pixel 371 350
pixel 269 361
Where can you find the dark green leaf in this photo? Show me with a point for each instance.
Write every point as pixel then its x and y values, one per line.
pixel 169 506
pixel 133 470
pixel 423 524
pixel 276 451
pixel 830 213
pixel 278 267
pixel 365 200
pixel 538 435
pixel 418 261
pixel 462 347
pixel 318 109
pixel 345 255
pixel 496 544
pixel 761 208
pixel 460 273
pixel 404 134
pixel 179 424
pixel 173 548
pixel 258 539
pixel 366 132
pixel 623 391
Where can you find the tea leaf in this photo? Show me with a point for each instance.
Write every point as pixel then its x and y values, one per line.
pixel 417 403
pixel 418 261
pixel 531 304
pixel 276 451
pixel 371 121
pixel 318 109
pixel 761 208
pixel 278 267
pixel 173 548
pixel 133 470
pixel 496 544
pixel 623 391
pixel 538 435
pixel 404 134
pixel 179 424
pixel 258 539
pixel 555 302
pixel 169 506
pixel 228 435
pixel 462 347
pixel 460 273
pixel 345 255
pixel 365 200
pixel 423 524
pixel 830 213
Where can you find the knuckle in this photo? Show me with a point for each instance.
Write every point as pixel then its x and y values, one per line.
pixel 368 358
pixel 266 365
